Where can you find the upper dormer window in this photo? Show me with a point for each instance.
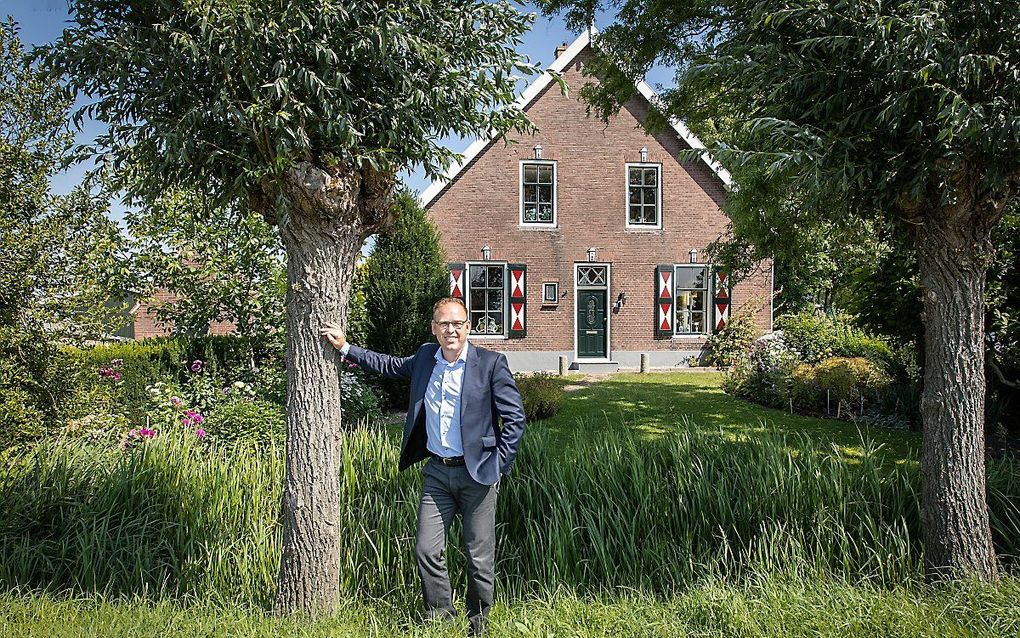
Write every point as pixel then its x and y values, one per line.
pixel 644 196
pixel 538 193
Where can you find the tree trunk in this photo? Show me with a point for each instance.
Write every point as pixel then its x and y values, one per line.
pixel 953 252
pixel 330 211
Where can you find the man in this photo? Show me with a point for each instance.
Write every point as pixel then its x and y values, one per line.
pixel 458 394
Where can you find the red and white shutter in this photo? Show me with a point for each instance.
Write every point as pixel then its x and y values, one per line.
pixel 664 300
pixel 518 300
pixel 457 280
pixel 723 299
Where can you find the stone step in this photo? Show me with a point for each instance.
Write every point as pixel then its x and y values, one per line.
pixel 595 367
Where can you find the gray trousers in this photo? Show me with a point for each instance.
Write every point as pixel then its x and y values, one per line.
pixel 449 491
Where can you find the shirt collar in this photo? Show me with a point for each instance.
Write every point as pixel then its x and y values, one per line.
pixel 461 359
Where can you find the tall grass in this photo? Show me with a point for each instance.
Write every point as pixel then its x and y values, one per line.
pixel 770 608
pixel 173 520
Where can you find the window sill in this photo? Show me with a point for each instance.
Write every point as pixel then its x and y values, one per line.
pixel 691 337
pixel 487 337
pixel 538 226
pixel 643 229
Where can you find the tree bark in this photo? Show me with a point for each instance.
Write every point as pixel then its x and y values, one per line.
pixel 329 213
pixel 954 248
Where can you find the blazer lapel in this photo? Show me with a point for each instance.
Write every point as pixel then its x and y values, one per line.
pixel 470 368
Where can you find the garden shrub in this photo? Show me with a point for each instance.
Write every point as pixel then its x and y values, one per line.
pixel 358 401
pixel 850 378
pixel 733 342
pixel 812 336
pixel 818 337
pixel 846 380
pixel 23 422
pixel 28 395
pixel 764 376
pixel 248 420
pixel 542 395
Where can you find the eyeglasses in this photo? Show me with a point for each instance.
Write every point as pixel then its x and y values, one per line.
pixel 456 325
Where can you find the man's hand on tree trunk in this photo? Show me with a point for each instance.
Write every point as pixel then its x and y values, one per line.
pixel 335 335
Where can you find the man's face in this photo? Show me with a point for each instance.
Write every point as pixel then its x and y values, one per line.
pixel 450 327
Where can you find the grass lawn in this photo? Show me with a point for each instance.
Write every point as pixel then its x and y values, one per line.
pixel 767 609
pixel 653 404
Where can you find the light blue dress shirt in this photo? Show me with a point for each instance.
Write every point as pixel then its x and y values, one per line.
pixel 442 403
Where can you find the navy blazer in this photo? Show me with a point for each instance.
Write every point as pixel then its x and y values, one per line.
pixel 488 393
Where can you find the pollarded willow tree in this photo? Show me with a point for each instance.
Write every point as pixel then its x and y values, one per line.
pixel 305 109
pixel 904 112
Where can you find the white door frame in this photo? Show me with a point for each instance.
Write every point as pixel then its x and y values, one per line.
pixel 609 314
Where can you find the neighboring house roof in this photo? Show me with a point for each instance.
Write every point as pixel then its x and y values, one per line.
pixel 536 87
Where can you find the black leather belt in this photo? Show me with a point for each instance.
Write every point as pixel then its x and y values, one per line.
pixel 452 461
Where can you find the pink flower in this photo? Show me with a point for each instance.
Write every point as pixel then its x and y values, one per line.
pixel 117 375
pixel 146 433
pixel 176 401
pixel 196 365
pixel 200 433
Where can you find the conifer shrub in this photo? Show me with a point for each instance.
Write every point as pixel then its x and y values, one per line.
pixel 403 277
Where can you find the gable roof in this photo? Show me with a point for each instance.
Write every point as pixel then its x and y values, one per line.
pixel 536 87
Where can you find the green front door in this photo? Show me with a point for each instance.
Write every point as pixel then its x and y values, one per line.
pixel 591 323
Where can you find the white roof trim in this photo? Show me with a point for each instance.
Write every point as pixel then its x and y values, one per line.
pixel 686 134
pixel 534 89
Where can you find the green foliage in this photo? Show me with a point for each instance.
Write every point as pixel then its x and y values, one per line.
pixel 401 280
pixel 403 277
pixel 358 402
pixel 541 393
pixel 1003 328
pixel 770 608
pixel 225 360
pixel 23 420
pixel 249 89
pixel 63 259
pixel 764 376
pixel 733 342
pixel 243 420
pixel 816 337
pixel 924 92
pixel 198 522
pixel 219 263
pixel 846 380
pixel 28 396
pixel 816 353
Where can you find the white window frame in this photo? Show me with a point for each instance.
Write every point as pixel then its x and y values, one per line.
pixel 556 290
pixel 626 196
pixel 467 300
pixel 709 312
pixel 520 195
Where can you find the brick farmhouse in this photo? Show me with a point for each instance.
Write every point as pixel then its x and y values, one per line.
pixel 587 240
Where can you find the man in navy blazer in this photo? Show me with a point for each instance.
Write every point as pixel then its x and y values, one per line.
pixel 466 416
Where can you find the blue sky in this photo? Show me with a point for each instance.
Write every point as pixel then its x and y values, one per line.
pixel 41 21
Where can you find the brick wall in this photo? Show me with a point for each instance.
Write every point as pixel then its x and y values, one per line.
pixel 481 207
pixel 146 324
